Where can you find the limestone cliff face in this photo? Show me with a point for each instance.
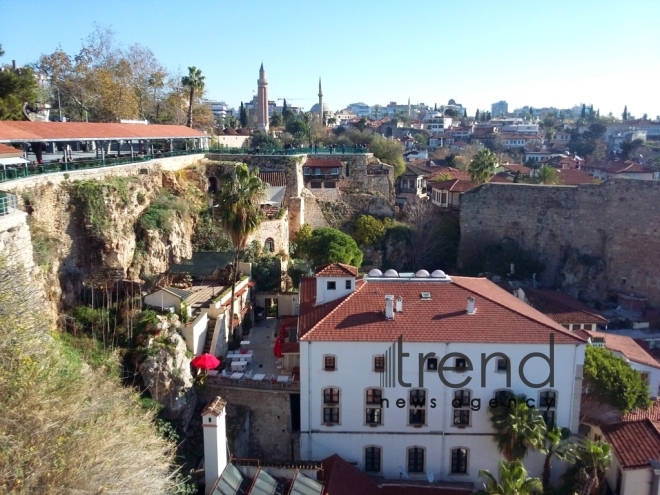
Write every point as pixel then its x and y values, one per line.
pixel 166 371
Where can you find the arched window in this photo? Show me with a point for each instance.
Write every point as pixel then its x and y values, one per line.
pixel 374 406
pixel 417 407
pixel 372 459
pixel 548 406
pixel 270 245
pixel 503 396
pixel 330 406
pixel 459 460
pixel 461 405
pixel 416 460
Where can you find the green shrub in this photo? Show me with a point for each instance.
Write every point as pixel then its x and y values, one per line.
pixel 159 215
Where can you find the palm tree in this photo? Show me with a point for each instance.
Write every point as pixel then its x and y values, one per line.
pixel 240 213
pixel 513 480
pixel 596 458
pixel 517 427
pixel 194 81
pixel 482 166
pixel 556 444
pixel 547 175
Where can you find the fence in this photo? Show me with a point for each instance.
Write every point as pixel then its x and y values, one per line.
pixel 8 203
pixel 15 173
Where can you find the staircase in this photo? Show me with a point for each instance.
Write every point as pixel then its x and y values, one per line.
pixel 210 327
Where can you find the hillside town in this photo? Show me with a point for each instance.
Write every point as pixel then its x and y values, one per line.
pixel 285 298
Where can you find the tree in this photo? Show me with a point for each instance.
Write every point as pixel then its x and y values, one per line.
pixel 476 115
pixel 513 480
pixel 242 116
pixel 368 231
pixel 596 458
pixel 328 245
pixel 517 427
pixel 421 139
pixel 276 120
pixel 628 148
pixel 482 166
pixel 556 444
pixel 625 113
pixel 239 208
pixel 15 90
pixel 611 380
pixel 264 141
pixel 645 116
pixel 388 151
pixel 2 52
pixel 583 114
pixel 194 81
pixel 298 128
pixel 465 113
pixel 547 175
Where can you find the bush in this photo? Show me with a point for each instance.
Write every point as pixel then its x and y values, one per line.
pixel 160 213
pixel 328 245
pixel 369 231
pixel 209 236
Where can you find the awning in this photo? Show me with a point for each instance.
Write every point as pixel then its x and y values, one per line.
pixel 13 161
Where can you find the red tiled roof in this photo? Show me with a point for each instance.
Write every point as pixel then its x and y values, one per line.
pixel 452 172
pixel 626 346
pixel 9 150
pixel 652 413
pixel 633 443
pixel 619 167
pixel 501 177
pixel 335 270
pixel 275 179
pixel 322 162
pixel 500 317
pixel 341 478
pixel 309 312
pixel 573 177
pixel 561 307
pixel 454 185
pixel 517 168
pixel 19 131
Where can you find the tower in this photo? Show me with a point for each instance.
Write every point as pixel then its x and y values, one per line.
pixel 215 441
pixel 409 113
pixel 320 102
pixel 262 100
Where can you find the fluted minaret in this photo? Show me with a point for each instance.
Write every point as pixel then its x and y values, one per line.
pixel 320 102
pixel 409 109
pixel 262 100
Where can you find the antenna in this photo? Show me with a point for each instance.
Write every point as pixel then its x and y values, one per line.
pixel 429 476
pixel 402 473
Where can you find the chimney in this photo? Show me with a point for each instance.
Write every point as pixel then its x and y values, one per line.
pixel 215 441
pixel 399 304
pixel 470 306
pixel 389 307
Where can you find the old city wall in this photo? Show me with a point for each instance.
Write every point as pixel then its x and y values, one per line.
pixel 270 432
pixel 594 240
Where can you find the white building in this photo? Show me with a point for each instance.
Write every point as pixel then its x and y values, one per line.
pixel 360 109
pixel 521 128
pixel 436 122
pixel 370 386
pixel 499 108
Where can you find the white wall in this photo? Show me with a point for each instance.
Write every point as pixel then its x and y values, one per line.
pixel 215 447
pixel 195 333
pixel 355 373
pixel 323 295
pixel 163 299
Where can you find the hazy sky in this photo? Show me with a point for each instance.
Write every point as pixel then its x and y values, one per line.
pixel 477 52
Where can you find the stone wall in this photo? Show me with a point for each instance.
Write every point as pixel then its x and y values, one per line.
pixel 594 240
pixel 270 432
pixel 276 229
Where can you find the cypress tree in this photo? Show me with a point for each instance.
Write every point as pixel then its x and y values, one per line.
pixel 465 113
pixel 584 111
pixel 242 116
pixel 625 113
pixel 476 115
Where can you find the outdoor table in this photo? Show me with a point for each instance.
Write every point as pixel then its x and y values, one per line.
pixel 283 379
pixel 236 376
pixel 238 365
pixel 245 342
pixel 259 377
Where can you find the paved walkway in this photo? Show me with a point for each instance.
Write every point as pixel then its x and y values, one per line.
pixel 262 340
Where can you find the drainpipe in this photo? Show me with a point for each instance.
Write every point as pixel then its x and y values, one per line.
pixel 573 392
pixel 309 403
pixel 655 480
pixel 444 425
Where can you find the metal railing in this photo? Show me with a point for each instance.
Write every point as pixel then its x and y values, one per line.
pixel 8 204
pixel 266 384
pixel 15 173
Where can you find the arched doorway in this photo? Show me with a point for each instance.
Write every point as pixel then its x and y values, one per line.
pixel 213 184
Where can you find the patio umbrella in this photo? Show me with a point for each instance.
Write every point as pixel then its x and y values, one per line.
pixel 206 361
pixel 277 348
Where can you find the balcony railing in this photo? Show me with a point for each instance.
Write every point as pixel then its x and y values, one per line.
pixel 267 384
pixel 8 204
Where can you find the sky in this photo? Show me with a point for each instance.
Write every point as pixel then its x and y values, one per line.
pixel 477 52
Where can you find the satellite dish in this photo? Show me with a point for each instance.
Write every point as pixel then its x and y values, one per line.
pixel 429 476
pixel 402 472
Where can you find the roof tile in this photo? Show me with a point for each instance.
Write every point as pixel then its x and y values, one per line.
pixel 633 443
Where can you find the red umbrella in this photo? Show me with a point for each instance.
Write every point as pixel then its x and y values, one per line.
pixel 277 348
pixel 206 361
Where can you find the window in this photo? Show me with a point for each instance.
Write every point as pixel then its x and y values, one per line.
pixel 334 171
pixel 330 185
pixel 331 285
pixel 372 459
pixel 317 171
pixel 349 285
pixel 646 378
pixel 461 404
pixel 460 363
pixel 317 185
pixel 459 461
pixel 548 406
pixel 444 198
pixel 308 171
pixel 417 407
pixel 329 363
pixel 432 364
pixel 416 460
pixel 374 411
pixel 270 245
pixel 379 364
pixel 501 365
pixel 503 397
pixel 331 405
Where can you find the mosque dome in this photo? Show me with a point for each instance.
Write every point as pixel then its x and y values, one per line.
pixel 315 108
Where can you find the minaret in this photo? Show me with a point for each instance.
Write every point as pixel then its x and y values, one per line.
pixel 320 102
pixel 409 113
pixel 262 100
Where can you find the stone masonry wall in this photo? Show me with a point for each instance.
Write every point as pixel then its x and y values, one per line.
pixel 276 229
pixel 594 240
pixel 270 419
